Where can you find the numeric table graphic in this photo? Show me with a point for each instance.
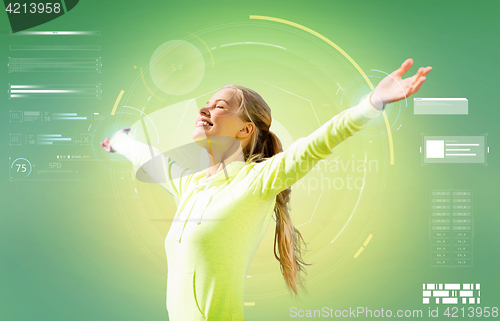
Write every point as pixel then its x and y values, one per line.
pixel 451 228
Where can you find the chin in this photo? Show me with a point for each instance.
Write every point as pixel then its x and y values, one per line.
pixel 199 133
pixel 200 139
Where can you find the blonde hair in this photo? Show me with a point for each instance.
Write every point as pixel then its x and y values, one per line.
pixel 264 144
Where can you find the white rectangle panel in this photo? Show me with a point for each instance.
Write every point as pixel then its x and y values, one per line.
pixel 452 286
pixel 440 293
pixel 466 293
pixel 434 149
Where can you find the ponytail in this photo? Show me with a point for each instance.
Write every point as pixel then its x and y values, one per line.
pixel 289 245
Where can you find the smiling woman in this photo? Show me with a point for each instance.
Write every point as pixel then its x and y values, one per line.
pixel 224 211
pixel 222 117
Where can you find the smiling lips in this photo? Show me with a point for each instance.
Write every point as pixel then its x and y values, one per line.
pixel 203 122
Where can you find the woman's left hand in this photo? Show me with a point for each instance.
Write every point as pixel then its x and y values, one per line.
pixel 394 88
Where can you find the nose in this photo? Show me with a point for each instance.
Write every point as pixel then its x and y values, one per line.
pixel 204 111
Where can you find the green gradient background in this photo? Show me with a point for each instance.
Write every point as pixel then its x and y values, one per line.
pixel 67 252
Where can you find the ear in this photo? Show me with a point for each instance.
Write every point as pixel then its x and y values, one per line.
pixel 246 131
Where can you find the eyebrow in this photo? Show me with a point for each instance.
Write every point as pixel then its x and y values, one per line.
pixel 220 99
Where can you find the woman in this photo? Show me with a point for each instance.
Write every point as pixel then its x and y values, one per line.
pixel 224 211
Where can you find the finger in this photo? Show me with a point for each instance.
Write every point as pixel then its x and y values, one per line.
pixel 416 86
pixel 426 71
pixel 416 76
pixel 405 66
pixel 420 81
pixel 419 72
pixel 419 84
pixel 422 72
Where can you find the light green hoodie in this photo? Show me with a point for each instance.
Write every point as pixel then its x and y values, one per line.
pixel 221 220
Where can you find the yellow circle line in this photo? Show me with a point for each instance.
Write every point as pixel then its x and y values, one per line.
pixel 358 252
pixel 293 24
pixel 206 46
pixel 147 87
pixel 116 102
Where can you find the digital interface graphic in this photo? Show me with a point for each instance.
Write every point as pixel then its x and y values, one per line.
pixel 441 106
pixel 455 149
pixel 400 220
pixel 452 228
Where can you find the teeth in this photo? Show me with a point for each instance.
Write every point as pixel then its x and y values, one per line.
pixel 204 123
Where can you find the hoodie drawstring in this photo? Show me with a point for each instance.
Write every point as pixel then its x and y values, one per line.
pixel 199 205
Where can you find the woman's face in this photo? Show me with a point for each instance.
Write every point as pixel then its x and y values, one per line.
pixel 222 117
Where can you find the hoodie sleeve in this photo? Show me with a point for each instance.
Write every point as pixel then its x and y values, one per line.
pixel 285 168
pixel 161 169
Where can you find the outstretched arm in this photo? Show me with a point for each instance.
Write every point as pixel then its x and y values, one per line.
pixel 284 169
pixel 162 169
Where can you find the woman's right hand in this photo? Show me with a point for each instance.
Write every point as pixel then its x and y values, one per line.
pixel 106 144
pixel 394 88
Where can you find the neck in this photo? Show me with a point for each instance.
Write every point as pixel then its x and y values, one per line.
pixel 220 156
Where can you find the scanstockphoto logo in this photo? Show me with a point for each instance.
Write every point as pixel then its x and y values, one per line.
pixel 24 15
pixel 452 293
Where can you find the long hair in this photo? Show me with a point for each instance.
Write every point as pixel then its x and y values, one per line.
pixel 289 245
